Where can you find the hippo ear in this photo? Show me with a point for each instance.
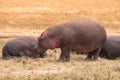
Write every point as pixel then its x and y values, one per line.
pixel 44 34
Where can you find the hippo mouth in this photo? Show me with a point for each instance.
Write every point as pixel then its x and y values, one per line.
pixel 43 55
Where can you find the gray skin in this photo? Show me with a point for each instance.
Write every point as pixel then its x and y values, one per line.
pixel 111 48
pixel 21 46
pixel 80 35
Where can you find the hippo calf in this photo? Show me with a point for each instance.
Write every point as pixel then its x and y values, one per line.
pixel 80 35
pixel 21 46
pixel 111 48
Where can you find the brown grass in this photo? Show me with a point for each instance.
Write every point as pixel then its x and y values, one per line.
pixel 48 69
pixel 31 17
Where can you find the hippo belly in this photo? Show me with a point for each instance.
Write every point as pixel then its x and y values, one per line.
pixel 82 48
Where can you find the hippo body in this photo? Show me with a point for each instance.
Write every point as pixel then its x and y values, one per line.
pixel 81 36
pixel 111 48
pixel 21 46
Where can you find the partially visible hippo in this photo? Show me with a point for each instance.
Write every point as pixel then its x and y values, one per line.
pixel 111 49
pixel 21 46
pixel 80 35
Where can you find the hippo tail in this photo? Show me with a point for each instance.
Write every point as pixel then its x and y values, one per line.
pixel 5 53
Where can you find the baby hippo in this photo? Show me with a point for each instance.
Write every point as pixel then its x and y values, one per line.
pixel 22 46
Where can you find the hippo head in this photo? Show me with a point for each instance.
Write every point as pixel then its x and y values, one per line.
pixel 47 41
pixel 40 51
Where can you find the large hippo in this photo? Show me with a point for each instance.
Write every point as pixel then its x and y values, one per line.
pixel 80 35
pixel 21 46
pixel 111 48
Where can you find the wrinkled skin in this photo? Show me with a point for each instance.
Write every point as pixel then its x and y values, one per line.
pixel 111 49
pixel 81 36
pixel 22 46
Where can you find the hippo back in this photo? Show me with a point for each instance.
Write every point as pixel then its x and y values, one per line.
pixel 19 47
pixel 113 38
pixel 111 48
pixel 85 35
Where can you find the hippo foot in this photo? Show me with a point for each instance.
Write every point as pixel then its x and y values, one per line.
pixel 94 59
pixel 88 58
pixel 63 60
pixel 91 59
pixel 6 58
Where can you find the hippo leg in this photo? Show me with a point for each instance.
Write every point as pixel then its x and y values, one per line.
pixel 22 53
pixel 89 56
pixel 5 54
pixel 65 55
pixel 96 54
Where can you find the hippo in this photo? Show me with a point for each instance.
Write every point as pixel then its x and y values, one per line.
pixel 111 48
pixel 21 46
pixel 80 35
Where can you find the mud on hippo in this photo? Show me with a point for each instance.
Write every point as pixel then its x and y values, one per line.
pixel 80 35
pixel 22 46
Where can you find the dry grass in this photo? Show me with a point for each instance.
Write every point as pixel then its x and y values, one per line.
pixel 48 69
pixel 36 14
pixel 31 17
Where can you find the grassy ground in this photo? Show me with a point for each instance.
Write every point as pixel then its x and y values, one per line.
pixel 31 17
pixel 48 69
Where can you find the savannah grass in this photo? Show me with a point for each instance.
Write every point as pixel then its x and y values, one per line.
pixel 18 19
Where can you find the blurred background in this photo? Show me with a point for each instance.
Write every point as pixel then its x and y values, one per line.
pixel 31 17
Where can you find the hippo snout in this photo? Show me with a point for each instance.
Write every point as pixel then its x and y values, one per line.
pixel 43 55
